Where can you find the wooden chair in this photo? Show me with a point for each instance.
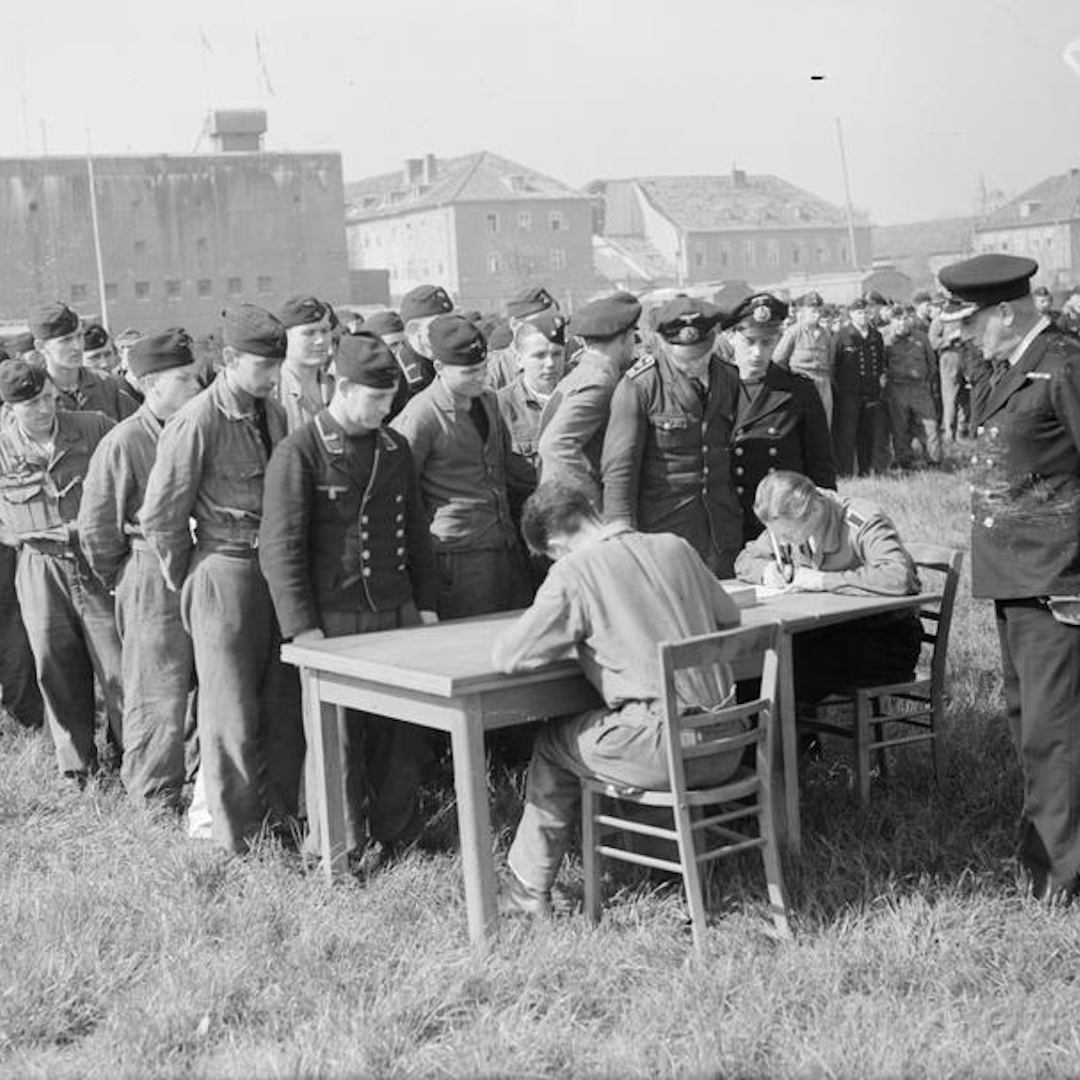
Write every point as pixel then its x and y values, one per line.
pixel 709 823
pixel 918 706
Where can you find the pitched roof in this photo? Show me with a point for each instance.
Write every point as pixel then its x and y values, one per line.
pixel 1055 199
pixel 479 177
pixel 738 201
pixel 941 236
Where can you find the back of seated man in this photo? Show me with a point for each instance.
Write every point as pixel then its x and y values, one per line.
pixel 818 541
pixel 611 596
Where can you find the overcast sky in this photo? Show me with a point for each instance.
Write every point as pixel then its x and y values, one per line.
pixel 933 94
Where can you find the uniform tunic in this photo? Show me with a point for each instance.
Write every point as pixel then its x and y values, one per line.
pixel 858 408
pixel 345 548
pixel 667 457
pixel 158 667
pixel 210 466
pixel 525 414
pixel 1025 546
pixel 98 391
pixel 300 407
pixel 67 613
pixel 780 424
pixel 608 605
pixel 909 396
pixel 810 351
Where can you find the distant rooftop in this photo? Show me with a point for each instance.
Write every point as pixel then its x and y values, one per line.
pixel 737 200
pixel 1053 200
pixel 941 236
pixel 429 181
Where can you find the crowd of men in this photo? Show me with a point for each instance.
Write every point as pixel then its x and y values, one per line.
pixel 166 525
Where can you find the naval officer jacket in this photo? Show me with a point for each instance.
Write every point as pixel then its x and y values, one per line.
pixel 667 457
pixel 860 363
pixel 343 526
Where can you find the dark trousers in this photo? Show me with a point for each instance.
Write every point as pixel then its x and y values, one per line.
pixel 18 678
pixel 858 434
pixel 71 626
pixel 1040 660
pixel 384 760
pixel 251 741
pixel 481 582
pixel 158 672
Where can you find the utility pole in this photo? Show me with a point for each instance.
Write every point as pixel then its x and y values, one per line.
pixel 97 236
pixel 847 196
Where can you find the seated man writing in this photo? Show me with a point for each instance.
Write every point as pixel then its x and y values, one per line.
pixel 819 541
pixel 611 596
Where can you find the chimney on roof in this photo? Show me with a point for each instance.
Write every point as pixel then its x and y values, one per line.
pixel 738 177
pixel 431 169
pixel 414 171
pixel 237 131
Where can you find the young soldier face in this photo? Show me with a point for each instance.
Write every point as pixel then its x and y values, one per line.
pixel 542 361
pixel 860 318
pixel 169 391
pixel 753 351
pixel 36 416
pixel 255 375
pixel 64 352
pixel 468 382
pixel 309 343
pixel 364 408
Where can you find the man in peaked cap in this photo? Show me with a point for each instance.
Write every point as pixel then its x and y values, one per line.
pixel 44 452
pixel 155 648
pixel 809 348
pixel 666 463
pixel 468 476
pixel 305 386
pixel 504 364
pixel 210 467
pixel 858 405
pixel 572 440
pixel 1025 546
pixel 345 548
pixel 419 307
pixel 780 420
pixel 58 336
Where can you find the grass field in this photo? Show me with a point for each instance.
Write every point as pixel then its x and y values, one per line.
pixel 130 952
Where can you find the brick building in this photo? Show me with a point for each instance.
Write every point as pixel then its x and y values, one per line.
pixel 482 226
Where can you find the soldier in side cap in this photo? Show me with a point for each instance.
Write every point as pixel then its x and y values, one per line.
pixel 156 650
pixel 809 348
pixel 468 477
pixel 531 301
pixel 911 379
pixel 210 467
pixel 1025 547
pixel 44 453
pixel 58 336
pixel 504 363
pixel 572 440
pixel 666 464
pixel 99 352
pixel 305 386
pixel 419 307
pixel 780 420
pixel 345 549
pixel 859 404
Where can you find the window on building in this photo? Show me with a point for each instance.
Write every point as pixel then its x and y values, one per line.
pixel 558 259
pixel 556 221
pixel 111 290
pixel 264 284
pixel 699 256
pixel 205 287
pixel 821 252
pixel 772 252
pixel 493 263
pixel 492 222
pixel 724 250
pixel 78 294
pixel 796 254
pixel 524 220
pixel 142 290
pixel 235 286
pixel 202 244
pixel 749 253
pixel 140 247
pixel 172 289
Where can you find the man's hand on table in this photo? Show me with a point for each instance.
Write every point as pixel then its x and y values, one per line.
pixel 807 579
pixel 429 618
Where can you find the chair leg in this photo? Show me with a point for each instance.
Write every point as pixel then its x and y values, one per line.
pixel 936 717
pixel 590 859
pixel 862 750
pixel 774 876
pixel 691 872
pixel 881 753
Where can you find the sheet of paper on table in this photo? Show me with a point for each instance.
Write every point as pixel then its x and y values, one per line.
pixel 743 594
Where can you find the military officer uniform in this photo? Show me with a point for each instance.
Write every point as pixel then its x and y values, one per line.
pixel 158 666
pixel 667 452
pixel 67 614
pixel 1025 551
pixel 810 350
pixel 302 399
pixel 912 375
pixel 859 411
pixel 211 466
pixel 425 302
pixel 345 549
pixel 572 440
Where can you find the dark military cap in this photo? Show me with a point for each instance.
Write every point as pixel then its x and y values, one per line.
pixel 4 354
pixel 551 323
pixel 899 311
pixel 762 311
pixel 20 381
pixel 302 310
pixel 366 359
pixel 94 337
pixel 1041 290
pixel 874 297
pixel 607 317
pixel 455 341
pixel 18 344
pixel 810 299
pixel 53 321
pixel 686 320
pixel 921 297
pixel 423 301
pixel 474 315
pixel 858 304
pixel 252 329
pixel 384 323
pixel 501 336
pixel 533 299
pixel 989 279
pixel 160 352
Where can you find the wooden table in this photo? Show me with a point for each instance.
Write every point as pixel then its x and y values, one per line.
pixel 441 677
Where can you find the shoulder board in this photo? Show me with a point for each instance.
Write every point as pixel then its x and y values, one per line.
pixel 855 518
pixel 643 365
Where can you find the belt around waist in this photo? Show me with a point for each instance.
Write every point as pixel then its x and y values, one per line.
pixel 238 549
pixel 55 548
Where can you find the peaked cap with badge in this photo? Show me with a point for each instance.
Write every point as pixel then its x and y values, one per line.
pixel 762 311
pixel 686 321
pixel 985 280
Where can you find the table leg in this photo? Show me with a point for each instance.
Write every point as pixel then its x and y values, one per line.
pixel 323 734
pixel 789 823
pixel 474 823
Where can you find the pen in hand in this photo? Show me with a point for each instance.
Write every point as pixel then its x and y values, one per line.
pixel 783 559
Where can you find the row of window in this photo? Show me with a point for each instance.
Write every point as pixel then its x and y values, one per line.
pixel 174 289
pixel 556 221
pixel 798 253
pixel 556 261
pixel 201 244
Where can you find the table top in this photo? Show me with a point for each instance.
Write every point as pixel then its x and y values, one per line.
pixel 453 659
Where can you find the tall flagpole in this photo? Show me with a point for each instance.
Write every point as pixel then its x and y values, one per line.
pixel 97 236
pixel 847 196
